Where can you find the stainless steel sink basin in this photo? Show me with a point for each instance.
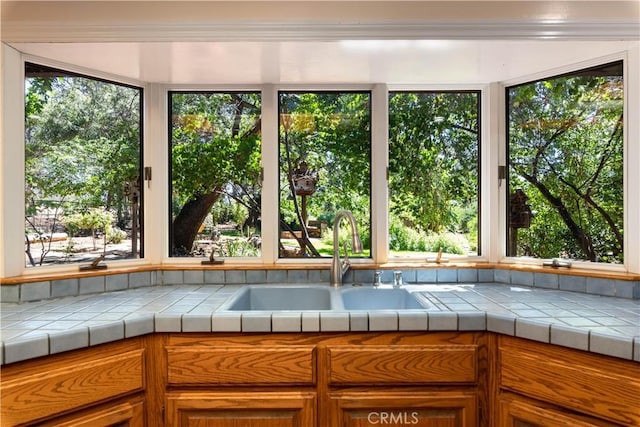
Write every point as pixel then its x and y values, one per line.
pixel 276 298
pixel 381 299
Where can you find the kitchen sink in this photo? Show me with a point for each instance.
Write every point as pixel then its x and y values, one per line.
pixel 275 298
pixel 367 298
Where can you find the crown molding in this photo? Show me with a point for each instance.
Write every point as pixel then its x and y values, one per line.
pixel 314 31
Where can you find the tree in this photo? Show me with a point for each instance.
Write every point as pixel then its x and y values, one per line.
pixel 82 143
pixel 330 133
pixel 433 160
pixel 215 150
pixel 566 153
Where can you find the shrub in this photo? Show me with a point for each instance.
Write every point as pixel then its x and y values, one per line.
pixel 115 235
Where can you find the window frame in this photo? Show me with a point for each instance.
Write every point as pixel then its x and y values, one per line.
pixel 479 92
pixel 628 175
pixel 76 71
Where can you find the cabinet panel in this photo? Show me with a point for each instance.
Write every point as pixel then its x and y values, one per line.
pixel 68 383
pixel 518 412
pixel 127 414
pixel 603 387
pixel 402 364
pixel 241 365
pixel 401 408
pixel 233 409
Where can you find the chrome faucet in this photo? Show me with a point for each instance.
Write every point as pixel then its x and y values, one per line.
pixel 339 267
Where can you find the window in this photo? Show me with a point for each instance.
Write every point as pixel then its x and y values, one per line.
pixel 434 140
pixel 565 173
pixel 325 167
pixel 215 167
pixel 83 145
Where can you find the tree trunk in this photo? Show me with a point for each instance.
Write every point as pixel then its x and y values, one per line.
pixel 189 220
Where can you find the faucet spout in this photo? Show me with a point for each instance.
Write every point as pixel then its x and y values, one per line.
pixel 340 266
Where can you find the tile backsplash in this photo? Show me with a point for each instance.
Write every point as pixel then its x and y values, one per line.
pixel 43 290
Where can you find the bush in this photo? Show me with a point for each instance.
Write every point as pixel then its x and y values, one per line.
pixel 115 235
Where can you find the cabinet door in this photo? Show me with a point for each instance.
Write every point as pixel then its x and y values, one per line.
pixel 246 409
pixel 403 408
pixel 519 412
pixel 126 414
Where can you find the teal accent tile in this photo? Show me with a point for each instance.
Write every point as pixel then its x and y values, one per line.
pixel 545 280
pixel 472 321
pixel 485 275
pixel 502 324
pixel 172 277
pixel 297 276
pixel 383 321
pixel 319 276
pixel 92 285
pixel 277 276
pixel 256 322
pixel 104 333
pixel 626 289
pixel 443 321
pixel 10 293
pixel 358 321
pixel 334 321
pixel 570 337
pixel 226 322
pixel 196 323
pixel 426 275
pixel 537 331
pixel 194 277
pixel 64 288
pixel 26 348
pixel 256 276
pixel 447 275
pixel 140 279
pixel 310 321
pixel 573 283
pixel 522 278
pixel 214 277
pixel 235 277
pixel 502 276
pixel 467 275
pixel 611 345
pixel 68 340
pixel 116 282
pixel 413 321
pixel 286 322
pixel 137 325
pixel 600 286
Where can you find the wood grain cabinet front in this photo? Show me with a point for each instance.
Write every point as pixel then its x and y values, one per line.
pixel 240 408
pixel 403 408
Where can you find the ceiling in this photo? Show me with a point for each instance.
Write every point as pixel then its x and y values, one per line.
pixel 434 62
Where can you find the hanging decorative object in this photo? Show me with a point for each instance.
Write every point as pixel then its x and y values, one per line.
pixel 305 180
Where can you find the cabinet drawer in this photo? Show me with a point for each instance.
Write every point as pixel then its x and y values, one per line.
pixel 70 384
pixel 402 364
pixel 595 385
pixel 241 365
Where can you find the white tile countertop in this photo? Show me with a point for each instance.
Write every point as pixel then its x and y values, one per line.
pixel 599 324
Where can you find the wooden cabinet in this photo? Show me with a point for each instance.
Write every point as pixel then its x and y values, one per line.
pixel 578 385
pixel 403 379
pixel 517 411
pixel 326 380
pixel 244 408
pixel 403 408
pixel 129 413
pixel 38 390
pixel 472 379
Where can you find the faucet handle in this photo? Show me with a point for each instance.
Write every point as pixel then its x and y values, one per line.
pixel 377 278
pixel 397 279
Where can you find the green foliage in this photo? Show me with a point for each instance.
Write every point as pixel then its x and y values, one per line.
pixel 566 154
pixel 115 235
pixel 93 219
pixel 433 165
